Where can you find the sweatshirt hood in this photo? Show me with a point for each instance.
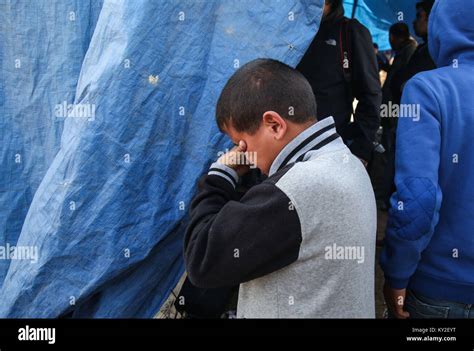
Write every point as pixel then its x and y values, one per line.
pixel 451 32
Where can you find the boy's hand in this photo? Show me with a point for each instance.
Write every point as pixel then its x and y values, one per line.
pixel 234 157
pixel 395 299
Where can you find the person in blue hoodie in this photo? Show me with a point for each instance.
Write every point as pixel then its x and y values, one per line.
pixel 428 258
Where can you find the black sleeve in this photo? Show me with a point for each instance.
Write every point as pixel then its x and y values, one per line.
pixel 366 89
pixel 420 61
pixel 229 242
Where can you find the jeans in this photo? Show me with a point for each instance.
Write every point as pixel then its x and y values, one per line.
pixel 420 306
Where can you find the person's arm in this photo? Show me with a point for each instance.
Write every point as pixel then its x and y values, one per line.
pixel 415 206
pixel 229 242
pixel 366 89
pixel 385 63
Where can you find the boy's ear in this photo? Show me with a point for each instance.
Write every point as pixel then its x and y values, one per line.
pixel 272 121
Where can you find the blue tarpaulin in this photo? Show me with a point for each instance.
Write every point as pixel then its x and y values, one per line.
pixel 107 120
pixel 379 15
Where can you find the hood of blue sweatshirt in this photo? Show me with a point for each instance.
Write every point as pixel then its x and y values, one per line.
pixel 451 32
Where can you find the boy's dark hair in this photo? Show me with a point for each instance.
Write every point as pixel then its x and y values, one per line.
pixel 264 85
pixel 400 30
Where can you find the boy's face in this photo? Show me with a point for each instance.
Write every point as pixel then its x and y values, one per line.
pixel 269 139
pixel 266 143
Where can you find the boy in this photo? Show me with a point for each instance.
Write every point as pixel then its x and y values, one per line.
pixel 301 244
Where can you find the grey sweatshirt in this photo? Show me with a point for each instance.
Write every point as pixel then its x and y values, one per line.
pixel 301 244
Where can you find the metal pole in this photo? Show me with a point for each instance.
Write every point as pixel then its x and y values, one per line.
pixel 354 7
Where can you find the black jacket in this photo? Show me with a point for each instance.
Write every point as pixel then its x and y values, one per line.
pixel 391 89
pixel 400 62
pixel 420 61
pixel 335 91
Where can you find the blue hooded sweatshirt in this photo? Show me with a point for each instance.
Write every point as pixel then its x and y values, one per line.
pixel 429 245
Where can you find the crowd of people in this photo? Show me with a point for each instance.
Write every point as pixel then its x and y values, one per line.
pixel 301 242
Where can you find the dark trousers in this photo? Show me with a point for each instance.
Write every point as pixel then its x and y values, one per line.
pixel 420 306
pixel 387 184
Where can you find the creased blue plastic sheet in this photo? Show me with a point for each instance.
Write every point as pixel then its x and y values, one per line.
pixel 42 47
pixel 109 214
